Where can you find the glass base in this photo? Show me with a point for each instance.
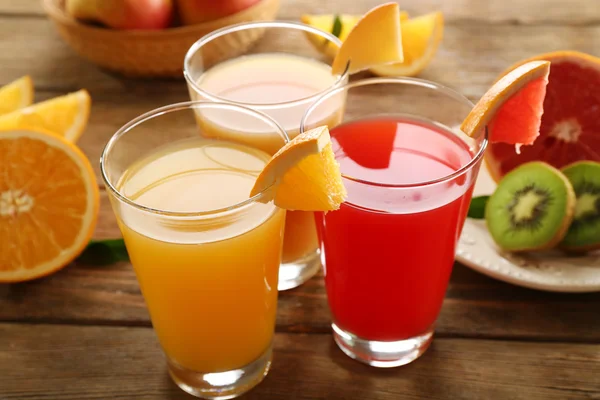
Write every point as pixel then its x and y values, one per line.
pixel 294 274
pixel 221 385
pixel 382 354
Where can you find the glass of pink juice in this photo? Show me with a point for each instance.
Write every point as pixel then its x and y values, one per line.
pixel 255 65
pixel 389 250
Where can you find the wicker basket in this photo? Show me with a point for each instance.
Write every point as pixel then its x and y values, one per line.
pixel 157 53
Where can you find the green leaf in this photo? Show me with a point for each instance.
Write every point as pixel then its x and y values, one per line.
pixel 336 29
pixel 477 207
pixel 104 252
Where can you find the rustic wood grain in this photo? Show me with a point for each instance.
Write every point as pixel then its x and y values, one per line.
pixel 470 59
pixel 573 12
pixel 50 362
pixel 493 339
pixel 475 306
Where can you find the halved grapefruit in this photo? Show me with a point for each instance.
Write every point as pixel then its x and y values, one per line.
pixel 570 126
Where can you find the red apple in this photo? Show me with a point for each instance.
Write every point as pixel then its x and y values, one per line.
pixel 124 14
pixel 196 11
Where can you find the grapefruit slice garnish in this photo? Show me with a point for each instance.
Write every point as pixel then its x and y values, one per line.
pixel 303 175
pixel 512 108
pixel 570 127
pixel 48 203
pixel 375 40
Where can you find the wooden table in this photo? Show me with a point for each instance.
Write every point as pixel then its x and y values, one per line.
pixel 84 333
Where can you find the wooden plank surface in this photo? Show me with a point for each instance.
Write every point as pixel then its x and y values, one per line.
pixel 470 58
pixel 64 337
pixel 128 363
pixel 572 12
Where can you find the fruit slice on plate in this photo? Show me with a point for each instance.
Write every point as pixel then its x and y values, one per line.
pixel 584 232
pixel 48 214
pixel 421 37
pixel 65 115
pixel 303 174
pixel 512 108
pixel 531 209
pixel 374 40
pixel 570 127
pixel 338 25
pixel 16 95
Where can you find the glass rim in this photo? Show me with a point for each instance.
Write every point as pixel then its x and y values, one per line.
pixel 252 25
pixel 158 112
pixel 417 82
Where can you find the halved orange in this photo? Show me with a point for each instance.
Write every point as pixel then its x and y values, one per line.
pixel 65 115
pixel 17 94
pixel 512 108
pixel 48 203
pixel 375 40
pixel 303 174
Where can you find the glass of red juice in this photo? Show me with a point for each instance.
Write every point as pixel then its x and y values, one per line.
pixel 388 251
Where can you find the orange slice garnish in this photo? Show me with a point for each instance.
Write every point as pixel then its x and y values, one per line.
pixel 375 40
pixel 303 174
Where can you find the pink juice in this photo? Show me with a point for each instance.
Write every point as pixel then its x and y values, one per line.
pixel 388 252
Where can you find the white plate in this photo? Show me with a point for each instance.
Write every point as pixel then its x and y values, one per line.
pixel 552 271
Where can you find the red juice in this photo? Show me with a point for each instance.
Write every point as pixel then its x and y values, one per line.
pixel 388 251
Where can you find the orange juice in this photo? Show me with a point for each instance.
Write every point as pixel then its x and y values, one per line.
pixel 209 278
pixel 282 86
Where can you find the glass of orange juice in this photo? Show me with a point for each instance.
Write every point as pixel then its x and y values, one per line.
pixel 206 255
pixel 254 65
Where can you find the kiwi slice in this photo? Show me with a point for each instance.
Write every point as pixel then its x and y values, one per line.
pixel 584 232
pixel 531 208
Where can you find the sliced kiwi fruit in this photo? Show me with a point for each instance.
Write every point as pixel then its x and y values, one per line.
pixel 584 232
pixel 531 208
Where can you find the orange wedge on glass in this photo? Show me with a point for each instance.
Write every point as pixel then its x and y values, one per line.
pixel 512 108
pixel 65 115
pixel 374 40
pixel 338 25
pixel 17 94
pixel 421 37
pixel 303 175
pixel 48 203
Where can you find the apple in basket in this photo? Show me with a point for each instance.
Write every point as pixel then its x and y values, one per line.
pixel 124 14
pixel 197 11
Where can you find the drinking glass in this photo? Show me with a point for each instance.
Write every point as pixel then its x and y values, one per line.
pixel 206 255
pixel 275 67
pixel 388 251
